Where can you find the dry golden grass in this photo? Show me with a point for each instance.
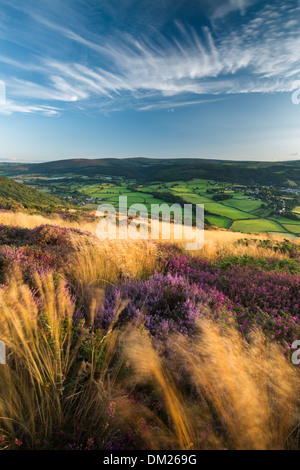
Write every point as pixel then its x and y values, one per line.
pixel 21 219
pixel 221 244
pixel 217 243
pixel 218 391
pixel 39 356
pixel 251 387
pixel 244 395
pixel 146 363
pixel 101 263
pixel 248 394
pixel 47 385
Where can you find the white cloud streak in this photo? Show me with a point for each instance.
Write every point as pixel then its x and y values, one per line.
pixel 171 104
pixel 10 107
pixel 261 55
pixel 227 7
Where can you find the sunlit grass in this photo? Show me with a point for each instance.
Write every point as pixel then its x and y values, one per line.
pixel 67 382
pixel 60 378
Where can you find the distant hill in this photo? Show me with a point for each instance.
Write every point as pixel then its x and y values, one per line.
pixel 148 169
pixel 17 192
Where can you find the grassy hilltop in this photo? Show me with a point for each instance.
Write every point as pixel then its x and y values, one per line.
pixel 19 193
pixel 147 169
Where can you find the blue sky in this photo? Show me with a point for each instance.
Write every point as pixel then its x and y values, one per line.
pixel 152 78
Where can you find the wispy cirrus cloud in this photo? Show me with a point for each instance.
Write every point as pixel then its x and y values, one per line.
pixel 259 54
pixel 174 104
pixel 224 8
pixel 10 107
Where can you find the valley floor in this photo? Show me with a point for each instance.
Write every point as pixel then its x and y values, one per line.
pixel 240 208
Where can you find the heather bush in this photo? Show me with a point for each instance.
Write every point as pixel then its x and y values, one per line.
pixel 53 235
pixel 14 235
pixel 43 249
pixel 42 235
pixel 29 260
pixel 268 298
pixel 125 346
pixel 289 265
pixel 165 303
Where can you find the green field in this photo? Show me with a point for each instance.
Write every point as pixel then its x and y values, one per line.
pixel 242 212
pixel 195 198
pixel 243 204
pixel 294 228
pixel 181 189
pixel 289 236
pixel 230 212
pixel 285 220
pixel 256 226
pixel 219 221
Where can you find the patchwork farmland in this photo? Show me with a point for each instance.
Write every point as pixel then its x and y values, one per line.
pixel 227 206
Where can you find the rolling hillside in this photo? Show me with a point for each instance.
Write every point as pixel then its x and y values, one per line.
pixel 150 169
pixel 24 195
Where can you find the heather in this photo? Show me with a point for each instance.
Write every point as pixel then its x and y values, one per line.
pixel 43 249
pixel 270 299
pixel 123 345
pixel 77 216
pixel 42 235
pixel 165 303
pixel 73 386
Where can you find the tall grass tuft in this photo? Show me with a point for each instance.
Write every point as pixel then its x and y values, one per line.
pixel 37 329
pixel 66 383
pixel 249 387
pixel 234 395
pixel 53 374
pixel 70 385
pixel 102 263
